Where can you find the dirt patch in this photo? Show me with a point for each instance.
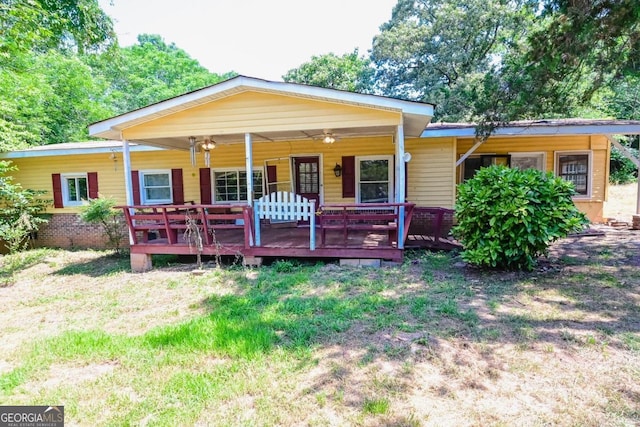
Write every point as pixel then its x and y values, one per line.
pixel 621 203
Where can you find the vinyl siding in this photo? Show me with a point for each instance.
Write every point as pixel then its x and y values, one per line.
pixel 597 144
pixel 36 172
pixel 256 112
pixel 431 172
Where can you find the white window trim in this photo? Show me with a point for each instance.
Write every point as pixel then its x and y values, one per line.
pixel 389 177
pixel 239 169
pixel 589 153
pixel 532 154
pixel 143 193
pixel 65 189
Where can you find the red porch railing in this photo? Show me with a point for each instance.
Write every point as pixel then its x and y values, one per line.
pixel 171 221
pixel 371 230
pixel 392 218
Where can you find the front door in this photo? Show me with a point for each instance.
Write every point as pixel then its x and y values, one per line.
pixel 307 177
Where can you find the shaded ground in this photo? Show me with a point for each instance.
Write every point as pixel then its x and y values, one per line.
pixel 431 342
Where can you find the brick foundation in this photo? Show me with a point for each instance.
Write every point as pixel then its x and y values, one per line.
pixel 66 230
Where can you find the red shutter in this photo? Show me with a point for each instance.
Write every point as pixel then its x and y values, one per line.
pixel 348 176
pixel 57 190
pixel 177 186
pixel 92 182
pixel 205 186
pixel 272 178
pixel 135 187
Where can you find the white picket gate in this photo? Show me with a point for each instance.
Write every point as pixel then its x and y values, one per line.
pixel 285 206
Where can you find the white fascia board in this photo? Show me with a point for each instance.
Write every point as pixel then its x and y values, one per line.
pixel 106 127
pixel 71 152
pixel 376 101
pixel 621 129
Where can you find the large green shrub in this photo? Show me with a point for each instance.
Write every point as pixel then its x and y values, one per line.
pixel 508 217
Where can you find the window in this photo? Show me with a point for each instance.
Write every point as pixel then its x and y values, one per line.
pixel 155 187
pixel 374 179
pixel 575 167
pixel 529 161
pixel 231 185
pixel 473 163
pixel 75 189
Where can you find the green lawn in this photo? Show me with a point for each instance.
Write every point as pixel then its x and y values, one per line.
pixel 425 343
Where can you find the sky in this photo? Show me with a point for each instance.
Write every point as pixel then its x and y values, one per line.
pixel 256 38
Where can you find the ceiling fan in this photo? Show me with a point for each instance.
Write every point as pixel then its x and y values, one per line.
pixel 327 137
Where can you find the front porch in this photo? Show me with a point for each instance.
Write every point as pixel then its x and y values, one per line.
pixel 346 231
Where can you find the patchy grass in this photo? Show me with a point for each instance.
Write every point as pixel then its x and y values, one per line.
pixel 424 343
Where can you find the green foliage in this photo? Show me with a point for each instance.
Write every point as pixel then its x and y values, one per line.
pixel 150 71
pixel 508 217
pixel 347 72
pixel 20 210
pixel 622 170
pixel 101 211
pixel 440 50
pixel 495 61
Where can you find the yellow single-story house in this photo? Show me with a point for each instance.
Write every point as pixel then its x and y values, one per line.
pixel 227 147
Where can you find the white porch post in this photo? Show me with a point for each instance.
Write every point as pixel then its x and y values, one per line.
pixel 248 149
pixel 400 182
pixel 128 185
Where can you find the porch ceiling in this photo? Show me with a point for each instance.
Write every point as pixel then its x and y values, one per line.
pixel 182 143
pixel 269 111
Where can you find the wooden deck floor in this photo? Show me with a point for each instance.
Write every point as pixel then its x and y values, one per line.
pixel 283 242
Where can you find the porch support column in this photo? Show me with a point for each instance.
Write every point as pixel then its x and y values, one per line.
pixel 400 182
pixel 248 149
pixel 128 185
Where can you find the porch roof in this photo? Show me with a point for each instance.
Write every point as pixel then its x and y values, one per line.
pixel 269 110
pixel 573 126
pixel 70 148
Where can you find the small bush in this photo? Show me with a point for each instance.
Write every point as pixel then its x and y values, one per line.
pixel 508 217
pixel 101 211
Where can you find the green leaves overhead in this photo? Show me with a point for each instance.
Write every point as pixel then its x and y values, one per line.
pixel 151 71
pixel 347 72
pixel 439 50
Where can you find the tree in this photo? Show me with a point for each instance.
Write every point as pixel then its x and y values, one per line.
pixel 46 93
pixel 495 61
pixel 440 50
pixel 150 71
pixel 41 25
pixel 349 72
